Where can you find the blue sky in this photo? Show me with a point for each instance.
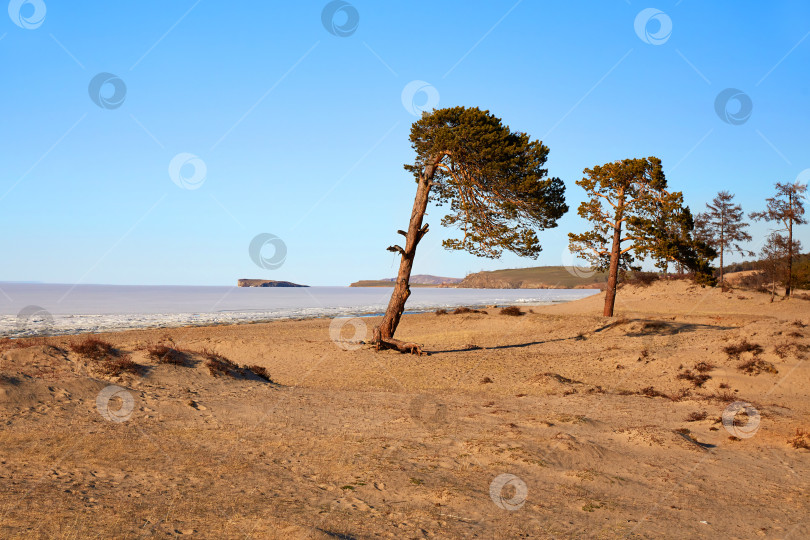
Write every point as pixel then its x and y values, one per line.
pixel 303 133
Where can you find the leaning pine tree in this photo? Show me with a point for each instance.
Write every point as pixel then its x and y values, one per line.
pixel 495 185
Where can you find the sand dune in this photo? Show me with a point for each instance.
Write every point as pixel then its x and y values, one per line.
pixel 608 427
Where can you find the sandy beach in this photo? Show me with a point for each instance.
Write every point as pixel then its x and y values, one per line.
pixel 606 428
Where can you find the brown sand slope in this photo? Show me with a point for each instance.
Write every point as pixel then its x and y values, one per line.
pixel 601 419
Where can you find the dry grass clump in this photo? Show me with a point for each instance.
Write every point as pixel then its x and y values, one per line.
pixel 734 351
pixel 118 366
pixel 462 310
pixel 756 366
pixel 108 360
pixel 697 379
pixel 704 367
pixel 441 312
pixel 512 311
pixel 92 348
pixel 163 354
pixel 651 392
pixel 486 380
pixel 260 372
pixel 783 349
pixel 218 364
pixel 801 440
pixel 697 416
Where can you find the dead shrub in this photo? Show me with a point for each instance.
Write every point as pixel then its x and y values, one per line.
pixel 486 380
pixel 704 367
pixel 512 311
pixel 260 372
pixel 163 354
pixel 756 366
pixel 801 440
pixel 218 364
pixel 734 351
pixel 783 349
pixel 697 379
pixel 441 312
pixel 92 348
pixel 697 416
pixel 117 366
pixel 463 310
pixel 651 392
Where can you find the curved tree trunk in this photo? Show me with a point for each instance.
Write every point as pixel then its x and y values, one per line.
pixel 384 333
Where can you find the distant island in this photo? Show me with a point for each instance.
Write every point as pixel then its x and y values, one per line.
pixel 417 280
pixel 538 277
pixel 266 283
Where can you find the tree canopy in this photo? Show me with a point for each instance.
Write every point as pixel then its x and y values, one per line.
pixel 492 178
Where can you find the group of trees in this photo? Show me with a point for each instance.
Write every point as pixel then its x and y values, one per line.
pixel 499 195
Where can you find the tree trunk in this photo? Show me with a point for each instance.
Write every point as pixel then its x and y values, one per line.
pixel 384 332
pixel 722 284
pixel 790 254
pixel 615 255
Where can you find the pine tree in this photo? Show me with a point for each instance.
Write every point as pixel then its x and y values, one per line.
pixel 495 184
pixel 722 227
pixel 787 209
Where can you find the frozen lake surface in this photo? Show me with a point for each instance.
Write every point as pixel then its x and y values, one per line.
pixel 28 309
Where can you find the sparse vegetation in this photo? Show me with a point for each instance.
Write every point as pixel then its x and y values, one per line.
pixel 441 311
pixel 697 379
pixel 801 439
pixel 119 365
pixel 486 380
pixel 704 367
pixel 756 366
pixel 92 348
pixel 163 354
pixel 463 310
pixel 512 311
pixel 697 416
pixel 734 351
pixel 260 372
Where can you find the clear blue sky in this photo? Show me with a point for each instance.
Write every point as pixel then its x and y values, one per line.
pixel 303 133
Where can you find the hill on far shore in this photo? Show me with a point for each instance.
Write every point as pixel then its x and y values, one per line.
pixel 538 277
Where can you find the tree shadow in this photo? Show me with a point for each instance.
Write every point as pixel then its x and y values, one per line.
pixel 651 327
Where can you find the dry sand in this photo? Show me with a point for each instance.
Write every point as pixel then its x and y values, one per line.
pixel 589 414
